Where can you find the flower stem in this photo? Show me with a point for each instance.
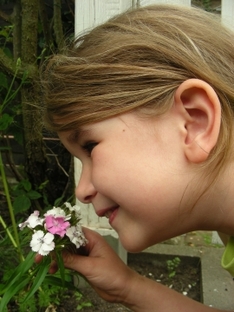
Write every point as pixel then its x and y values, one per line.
pixel 15 241
pixel 8 232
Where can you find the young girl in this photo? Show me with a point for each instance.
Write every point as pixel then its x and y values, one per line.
pixel 146 102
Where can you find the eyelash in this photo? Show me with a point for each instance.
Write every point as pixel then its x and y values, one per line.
pixel 88 147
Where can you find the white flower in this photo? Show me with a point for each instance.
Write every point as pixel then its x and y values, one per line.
pixel 76 235
pixel 42 243
pixel 74 208
pixel 57 212
pixel 32 221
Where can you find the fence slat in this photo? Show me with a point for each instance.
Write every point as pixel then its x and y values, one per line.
pixel 177 2
pixel 89 13
pixel 227 13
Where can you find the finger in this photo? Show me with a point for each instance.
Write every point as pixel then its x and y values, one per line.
pixel 53 266
pixel 81 264
pixel 95 243
pixel 98 255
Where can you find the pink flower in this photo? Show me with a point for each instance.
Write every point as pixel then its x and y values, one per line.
pixel 56 225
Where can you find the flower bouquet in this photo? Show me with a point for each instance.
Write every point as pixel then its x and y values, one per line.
pixel 56 230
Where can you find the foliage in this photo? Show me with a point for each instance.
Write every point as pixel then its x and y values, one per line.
pixel 172 265
pixel 51 291
pixel 82 302
pixel 207 5
pixel 22 51
pixel 24 284
pixel 42 176
pixel 23 196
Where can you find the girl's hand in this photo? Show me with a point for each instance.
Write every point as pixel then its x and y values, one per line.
pixel 101 266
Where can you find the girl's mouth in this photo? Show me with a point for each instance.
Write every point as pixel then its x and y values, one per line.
pixel 109 213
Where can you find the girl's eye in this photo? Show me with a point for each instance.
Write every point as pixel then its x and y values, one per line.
pixel 88 147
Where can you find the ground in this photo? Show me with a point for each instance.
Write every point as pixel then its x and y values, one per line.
pixel 186 279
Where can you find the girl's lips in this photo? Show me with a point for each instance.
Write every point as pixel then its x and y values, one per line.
pixel 109 213
pixel 112 215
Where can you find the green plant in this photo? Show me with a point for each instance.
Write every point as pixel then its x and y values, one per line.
pixel 207 5
pixel 172 265
pixel 53 231
pixel 23 196
pixel 83 303
pixel 20 197
pixel 16 283
pixel 51 293
pixel 32 187
pixel 15 237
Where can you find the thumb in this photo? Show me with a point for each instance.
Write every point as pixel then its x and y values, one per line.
pixel 78 263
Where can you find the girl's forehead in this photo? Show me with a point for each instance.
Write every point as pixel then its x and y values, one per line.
pixel 130 120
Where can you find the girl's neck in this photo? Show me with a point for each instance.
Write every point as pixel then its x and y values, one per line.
pixel 217 206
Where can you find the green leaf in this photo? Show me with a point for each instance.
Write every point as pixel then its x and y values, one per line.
pixel 21 203
pixel 43 185
pixel 18 280
pixel 5 121
pixel 8 52
pixel 4 32
pixel 56 281
pixel 12 290
pixel 26 185
pixel 3 80
pixel 33 194
pixel 43 270
pixel 84 305
pixel 20 270
pixel 58 201
pixel 61 267
pixel 17 191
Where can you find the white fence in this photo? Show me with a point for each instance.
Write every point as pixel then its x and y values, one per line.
pixel 88 14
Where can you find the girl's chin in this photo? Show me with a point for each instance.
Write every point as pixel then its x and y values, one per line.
pixel 132 246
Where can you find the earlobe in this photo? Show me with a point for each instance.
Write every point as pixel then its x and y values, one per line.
pixel 202 116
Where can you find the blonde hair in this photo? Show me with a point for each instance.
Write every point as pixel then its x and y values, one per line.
pixel 136 61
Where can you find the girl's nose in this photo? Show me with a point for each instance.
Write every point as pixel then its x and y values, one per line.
pixel 85 191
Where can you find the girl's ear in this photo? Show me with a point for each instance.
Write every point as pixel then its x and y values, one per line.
pixel 202 116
